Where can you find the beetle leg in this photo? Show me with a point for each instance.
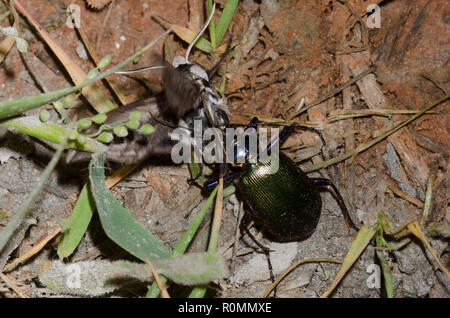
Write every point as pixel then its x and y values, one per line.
pixel 226 179
pixel 265 249
pixel 322 182
pixel 281 137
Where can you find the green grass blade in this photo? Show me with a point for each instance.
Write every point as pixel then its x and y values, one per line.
pixel 18 106
pixel 12 225
pixel 32 126
pixel 385 268
pixel 189 235
pixel 212 27
pixel 181 247
pixel 79 221
pixel 359 244
pixel 225 20
pixel 119 225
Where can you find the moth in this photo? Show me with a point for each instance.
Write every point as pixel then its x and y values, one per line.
pixel 187 94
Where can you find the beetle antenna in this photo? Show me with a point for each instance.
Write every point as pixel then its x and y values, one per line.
pixel 200 33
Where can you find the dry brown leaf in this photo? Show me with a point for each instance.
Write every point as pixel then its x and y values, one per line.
pixel 92 93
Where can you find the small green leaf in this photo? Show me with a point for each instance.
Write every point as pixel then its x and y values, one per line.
pixel 96 278
pixel 136 115
pixel 9 31
pixel 22 45
pixel 146 129
pixel 121 131
pixel 104 62
pixel 105 137
pixel 229 190
pixel 81 139
pixel 358 245
pixel 58 106
pixel 212 26
pixel 132 124
pixel 99 118
pixel 73 135
pixel 68 101
pixel 193 268
pixel 195 169
pixel 84 123
pixel 44 115
pixel 92 74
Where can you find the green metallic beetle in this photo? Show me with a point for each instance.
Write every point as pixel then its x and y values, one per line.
pixel 285 201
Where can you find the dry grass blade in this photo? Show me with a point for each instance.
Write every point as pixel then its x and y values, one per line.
pixel 415 229
pixel 212 247
pixel 92 93
pixel 122 98
pixel 374 141
pixel 347 114
pixel 13 286
pixel 360 242
pixel 292 267
pixel 162 287
pixel 406 197
pixel 119 174
pixel 188 36
pixel 428 196
pixel 35 249
pixel 333 92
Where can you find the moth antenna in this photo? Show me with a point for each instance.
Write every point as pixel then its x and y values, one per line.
pixel 200 33
pixel 145 68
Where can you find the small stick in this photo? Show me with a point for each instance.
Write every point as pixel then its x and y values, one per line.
pixel 100 33
pixel 335 91
pixel 212 247
pixel 406 196
pixel 35 249
pixel 236 237
pixel 292 267
pixel 161 285
pixel 13 286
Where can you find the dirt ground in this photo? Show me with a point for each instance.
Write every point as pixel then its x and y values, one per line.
pixel 289 50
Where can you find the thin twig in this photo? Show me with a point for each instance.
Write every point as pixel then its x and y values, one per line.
pixel 100 32
pixel 406 196
pixel 35 249
pixel 334 91
pixel 374 141
pixel 393 247
pixel 292 267
pixel 12 225
pixel 13 286
pixel 439 85
pixel 161 285
pixel 236 237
